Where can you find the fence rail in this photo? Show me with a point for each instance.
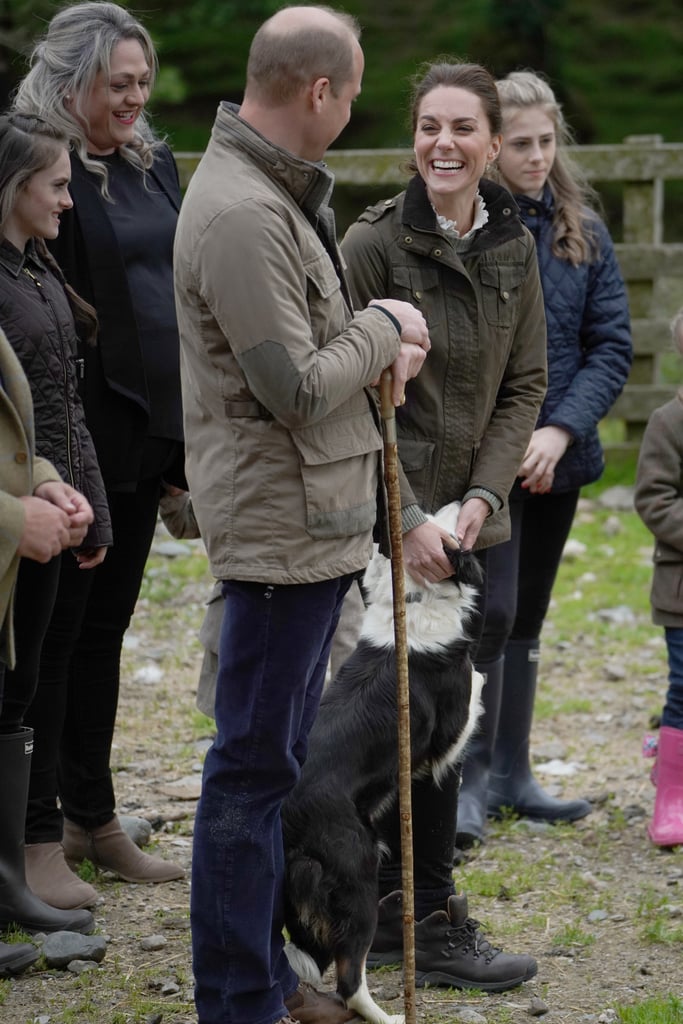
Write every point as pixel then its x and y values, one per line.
pixel 653 270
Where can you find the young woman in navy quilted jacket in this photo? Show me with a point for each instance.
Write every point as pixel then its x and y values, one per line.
pixel 589 357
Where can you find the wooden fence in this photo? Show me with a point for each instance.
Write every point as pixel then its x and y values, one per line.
pixel 653 270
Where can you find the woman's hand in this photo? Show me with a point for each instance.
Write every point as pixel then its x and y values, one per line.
pixel 546 448
pixel 424 557
pixel 73 503
pixel 472 515
pixel 88 558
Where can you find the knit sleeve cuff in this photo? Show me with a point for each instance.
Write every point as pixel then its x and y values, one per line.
pixel 412 516
pixel 488 496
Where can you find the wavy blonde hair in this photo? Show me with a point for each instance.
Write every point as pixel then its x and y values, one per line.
pixel 576 201
pixel 65 62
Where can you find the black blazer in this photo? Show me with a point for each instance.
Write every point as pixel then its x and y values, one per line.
pixel 113 384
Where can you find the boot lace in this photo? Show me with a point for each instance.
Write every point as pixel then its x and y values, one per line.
pixel 469 937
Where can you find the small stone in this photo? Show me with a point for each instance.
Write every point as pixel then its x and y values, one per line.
pixel 573 550
pixel 170 988
pixel 187 788
pixel 537 1007
pixel 598 915
pixel 81 966
pixel 151 942
pixel 466 1015
pixel 60 948
pixel 137 829
pixel 148 674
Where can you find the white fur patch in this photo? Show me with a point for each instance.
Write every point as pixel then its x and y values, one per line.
pixel 438 612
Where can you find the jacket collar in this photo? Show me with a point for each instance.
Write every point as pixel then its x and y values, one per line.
pixel 545 205
pixel 309 184
pixel 14 261
pixel 503 223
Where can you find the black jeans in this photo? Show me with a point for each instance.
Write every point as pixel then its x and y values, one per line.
pixel 34 600
pixel 74 710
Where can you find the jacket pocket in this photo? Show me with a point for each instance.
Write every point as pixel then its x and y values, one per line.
pixel 421 286
pixel 501 292
pixel 339 471
pixel 416 460
pixel 667 587
pixel 321 285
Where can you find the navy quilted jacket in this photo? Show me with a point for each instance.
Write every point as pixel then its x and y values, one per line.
pixel 589 342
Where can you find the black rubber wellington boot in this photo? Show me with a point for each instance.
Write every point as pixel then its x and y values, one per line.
pixel 15 957
pixel 18 905
pixel 511 786
pixel 450 949
pixel 472 805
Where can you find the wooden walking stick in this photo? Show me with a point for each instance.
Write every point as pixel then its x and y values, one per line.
pixel 402 691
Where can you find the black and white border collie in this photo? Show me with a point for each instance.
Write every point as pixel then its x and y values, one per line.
pixel 350 776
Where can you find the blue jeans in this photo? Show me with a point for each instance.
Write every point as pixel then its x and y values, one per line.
pixel 273 654
pixel 672 714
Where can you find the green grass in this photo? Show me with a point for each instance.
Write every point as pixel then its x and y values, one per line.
pixel 661 1010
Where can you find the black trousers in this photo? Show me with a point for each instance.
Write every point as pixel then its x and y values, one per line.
pixel 519 578
pixel 73 712
pixel 34 599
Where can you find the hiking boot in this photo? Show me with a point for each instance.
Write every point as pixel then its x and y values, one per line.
pixel 387 945
pixel 450 950
pixel 309 1006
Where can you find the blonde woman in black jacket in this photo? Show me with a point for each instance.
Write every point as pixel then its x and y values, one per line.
pixel 91 75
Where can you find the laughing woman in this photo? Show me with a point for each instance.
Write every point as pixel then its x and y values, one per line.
pixel 453 245
pixel 91 76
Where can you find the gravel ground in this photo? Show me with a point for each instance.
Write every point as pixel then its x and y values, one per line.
pixel 598 906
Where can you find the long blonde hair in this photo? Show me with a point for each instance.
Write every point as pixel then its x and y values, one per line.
pixel 576 201
pixel 77 46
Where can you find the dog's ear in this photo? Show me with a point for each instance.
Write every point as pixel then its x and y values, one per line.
pixel 467 567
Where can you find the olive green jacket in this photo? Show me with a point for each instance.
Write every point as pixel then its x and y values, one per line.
pixel 20 473
pixel 470 413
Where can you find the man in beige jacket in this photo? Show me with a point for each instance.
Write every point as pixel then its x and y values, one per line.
pixel 283 453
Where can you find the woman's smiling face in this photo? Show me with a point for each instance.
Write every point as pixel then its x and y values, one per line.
pixel 109 111
pixel 453 143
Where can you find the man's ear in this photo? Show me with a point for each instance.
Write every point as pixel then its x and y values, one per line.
pixel 318 92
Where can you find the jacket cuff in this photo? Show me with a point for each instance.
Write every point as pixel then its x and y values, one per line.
pixel 481 492
pixel 411 516
pixel 395 322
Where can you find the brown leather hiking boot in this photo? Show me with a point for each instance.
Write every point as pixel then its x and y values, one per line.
pixel 309 1006
pixel 450 949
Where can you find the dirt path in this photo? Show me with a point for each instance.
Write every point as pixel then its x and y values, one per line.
pixel 599 907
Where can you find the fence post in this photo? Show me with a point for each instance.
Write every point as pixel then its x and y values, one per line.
pixel 643 215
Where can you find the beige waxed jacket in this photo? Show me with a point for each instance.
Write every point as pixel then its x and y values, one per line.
pixel 283 447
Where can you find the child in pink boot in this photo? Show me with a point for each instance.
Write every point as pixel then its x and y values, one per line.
pixel 659 503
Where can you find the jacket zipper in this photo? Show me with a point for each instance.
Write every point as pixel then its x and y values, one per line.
pixel 65 375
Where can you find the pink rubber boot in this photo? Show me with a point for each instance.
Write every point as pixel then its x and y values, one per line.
pixel 666 827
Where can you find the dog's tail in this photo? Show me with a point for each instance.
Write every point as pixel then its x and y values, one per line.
pixel 303 964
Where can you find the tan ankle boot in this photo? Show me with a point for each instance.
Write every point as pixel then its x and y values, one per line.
pixel 110 847
pixel 49 877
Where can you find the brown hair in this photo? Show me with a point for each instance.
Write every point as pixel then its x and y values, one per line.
pixel 29 144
